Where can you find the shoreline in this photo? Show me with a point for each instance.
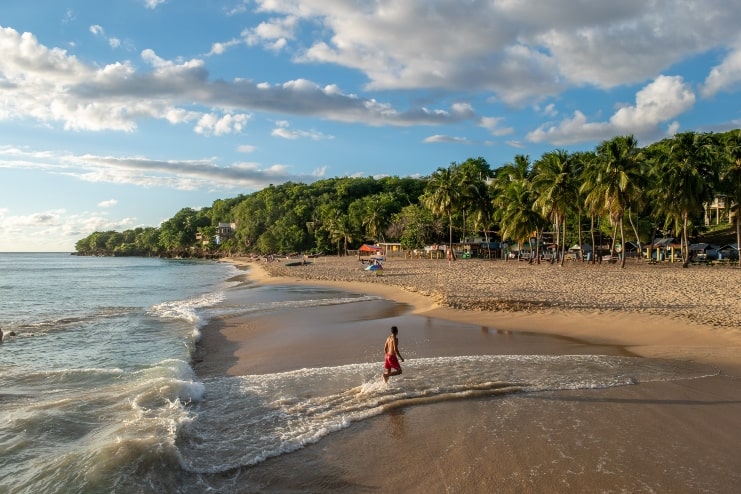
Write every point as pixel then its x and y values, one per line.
pixel 676 435
pixel 657 334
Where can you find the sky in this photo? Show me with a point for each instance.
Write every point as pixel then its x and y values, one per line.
pixel 117 114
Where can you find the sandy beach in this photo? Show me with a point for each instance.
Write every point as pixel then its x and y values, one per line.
pixel 673 436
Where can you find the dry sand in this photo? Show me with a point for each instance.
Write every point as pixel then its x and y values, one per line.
pixel 678 436
pixel 654 310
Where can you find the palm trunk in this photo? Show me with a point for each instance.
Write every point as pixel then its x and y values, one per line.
pixel 738 234
pixel 591 228
pixel 686 242
pixel 635 232
pixel 578 223
pixel 450 223
pixel 622 245
pixel 563 242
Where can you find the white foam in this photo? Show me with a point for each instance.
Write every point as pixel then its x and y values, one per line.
pixel 187 309
pixel 247 419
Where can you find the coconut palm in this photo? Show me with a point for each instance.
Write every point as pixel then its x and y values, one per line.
pixel 555 183
pixel 474 199
pixel 512 198
pixel 584 164
pixel 617 179
pixel 340 230
pixel 442 195
pixel 730 179
pixel 685 179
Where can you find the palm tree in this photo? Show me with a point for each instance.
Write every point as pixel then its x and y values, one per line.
pixel 730 179
pixel 555 183
pixel 584 166
pixel 512 198
pixel 480 207
pixel 442 195
pixel 618 179
pixel 340 230
pixel 685 179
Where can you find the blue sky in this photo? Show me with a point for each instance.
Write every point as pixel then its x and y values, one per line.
pixel 118 114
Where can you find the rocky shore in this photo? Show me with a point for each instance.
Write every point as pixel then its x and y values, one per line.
pixel 702 294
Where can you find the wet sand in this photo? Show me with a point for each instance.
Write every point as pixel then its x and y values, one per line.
pixel 678 436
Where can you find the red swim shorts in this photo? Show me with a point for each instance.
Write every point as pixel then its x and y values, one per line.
pixel 391 363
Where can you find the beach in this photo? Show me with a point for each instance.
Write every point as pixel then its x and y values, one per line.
pixel 675 434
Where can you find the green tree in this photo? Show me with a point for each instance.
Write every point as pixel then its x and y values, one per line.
pixel 685 179
pixel 556 189
pixel 513 198
pixel 442 195
pixel 340 230
pixel 617 180
pixel 730 176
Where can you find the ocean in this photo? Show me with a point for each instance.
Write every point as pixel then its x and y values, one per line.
pixel 98 392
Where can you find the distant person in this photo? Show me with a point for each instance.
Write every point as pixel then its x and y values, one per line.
pixel 391 351
pixel 1 334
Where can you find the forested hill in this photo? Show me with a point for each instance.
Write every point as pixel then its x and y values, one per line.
pixel 619 189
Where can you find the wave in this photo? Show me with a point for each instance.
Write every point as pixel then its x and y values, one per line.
pixel 61 322
pixel 188 310
pixel 242 421
pixel 239 310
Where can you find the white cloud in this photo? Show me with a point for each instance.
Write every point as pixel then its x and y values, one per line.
pixel 515 144
pixel 724 77
pixel 52 86
pixel 523 50
pixel 493 125
pixel 53 230
pixel 212 124
pixel 146 172
pixel 220 48
pixel 152 4
pixel 449 139
pixel 107 204
pixel 284 132
pixel 246 148
pixel 660 101
pixel 273 34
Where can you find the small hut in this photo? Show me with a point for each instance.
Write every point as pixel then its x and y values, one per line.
pixel 366 252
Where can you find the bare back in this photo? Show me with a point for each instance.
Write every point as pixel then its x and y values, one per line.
pixel 391 346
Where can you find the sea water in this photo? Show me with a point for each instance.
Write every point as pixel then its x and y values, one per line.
pixel 97 392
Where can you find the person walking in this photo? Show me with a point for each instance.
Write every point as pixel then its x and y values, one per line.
pixel 391 352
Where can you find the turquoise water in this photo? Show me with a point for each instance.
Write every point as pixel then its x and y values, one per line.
pixel 97 392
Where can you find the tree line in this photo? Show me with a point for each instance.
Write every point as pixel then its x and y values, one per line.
pixel 615 188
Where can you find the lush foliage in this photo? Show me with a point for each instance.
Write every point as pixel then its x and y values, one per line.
pixel 662 188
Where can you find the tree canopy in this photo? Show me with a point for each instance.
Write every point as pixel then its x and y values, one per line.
pixel 667 184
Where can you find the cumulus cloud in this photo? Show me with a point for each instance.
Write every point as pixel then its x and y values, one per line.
pixel 724 77
pixel 50 85
pixel 212 124
pixel 107 204
pixel 493 125
pixel 521 51
pixel 273 34
pixel 53 230
pixel 657 103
